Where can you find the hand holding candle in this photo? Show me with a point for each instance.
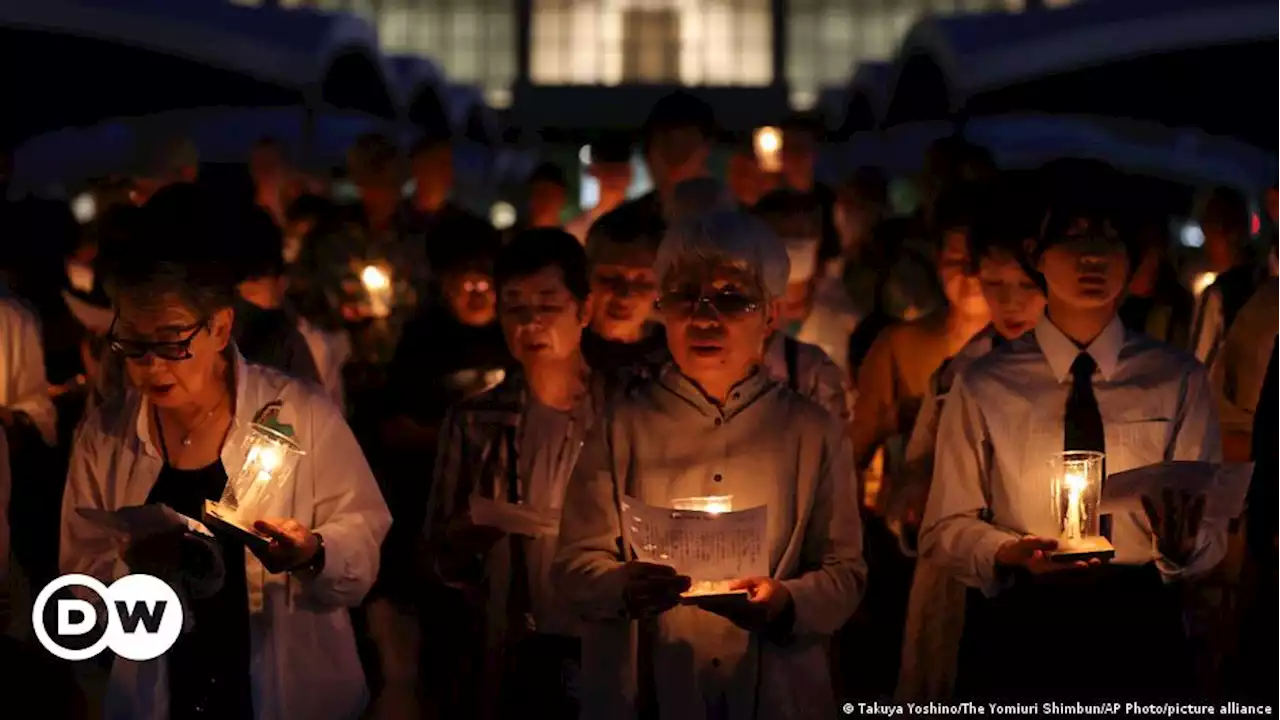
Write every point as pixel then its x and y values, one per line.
pixel 292 544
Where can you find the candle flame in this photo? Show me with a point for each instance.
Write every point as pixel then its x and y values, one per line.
pixel 1202 282
pixel 1075 481
pixel 375 278
pixel 711 504
pixel 768 139
pixel 715 506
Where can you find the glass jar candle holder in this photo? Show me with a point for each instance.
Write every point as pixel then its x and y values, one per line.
pixel 1076 494
pixel 270 463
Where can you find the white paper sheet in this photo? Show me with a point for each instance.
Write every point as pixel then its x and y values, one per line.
pixel 139 521
pixel 708 547
pixel 1224 486
pixel 515 519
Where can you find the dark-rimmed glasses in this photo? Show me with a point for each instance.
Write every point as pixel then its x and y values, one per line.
pixel 174 350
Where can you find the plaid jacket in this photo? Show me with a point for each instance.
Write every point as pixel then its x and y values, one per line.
pixel 478 454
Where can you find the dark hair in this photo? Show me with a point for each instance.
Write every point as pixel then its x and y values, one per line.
pixel 309 207
pixel 870 184
pixel 539 248
pixel 1092 193
pixel 803 122
pixel 258 244
pixel 954 158
pixel 549 173
pixel 177 248
pixel 679 109
pixel 611 148
pixel 371 155
pixel 468 258
pixel 1008 215
pixel 791 214
pixel 956 209
pixel 1230 206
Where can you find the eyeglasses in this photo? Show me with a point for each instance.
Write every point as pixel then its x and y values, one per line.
pixel 726 304
pixel 165 350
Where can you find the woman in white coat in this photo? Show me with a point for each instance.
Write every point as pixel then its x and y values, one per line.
pixel 275 640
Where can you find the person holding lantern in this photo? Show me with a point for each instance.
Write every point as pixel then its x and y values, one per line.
pixel 714 423
pixel 1039 622
pixel 274 638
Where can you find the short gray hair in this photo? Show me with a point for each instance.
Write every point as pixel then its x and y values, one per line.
pixel 732 237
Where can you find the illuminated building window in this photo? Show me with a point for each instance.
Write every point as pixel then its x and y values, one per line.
pixel 827 39
pixel 684 42
pixel 474 41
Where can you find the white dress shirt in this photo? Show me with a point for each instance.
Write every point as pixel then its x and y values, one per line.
pixel 1004 420
pixel 302 647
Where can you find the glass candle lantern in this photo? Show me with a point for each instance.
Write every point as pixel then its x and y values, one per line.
pixel 1077 495
pixel 270 461
pixel 377 283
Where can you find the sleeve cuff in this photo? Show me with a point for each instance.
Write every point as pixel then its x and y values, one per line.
pixel 781 630
pixel 991 581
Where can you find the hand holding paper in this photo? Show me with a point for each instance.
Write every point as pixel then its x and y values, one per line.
pixel 651 589
pixel 1175 519
pixel 1223 486
pixel 140 521
pixel 712 548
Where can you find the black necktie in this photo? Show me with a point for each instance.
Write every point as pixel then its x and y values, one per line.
pixel 1082 422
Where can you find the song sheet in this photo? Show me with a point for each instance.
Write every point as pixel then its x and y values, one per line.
pixel 514 519
pixel 711 548
pixel 140 521
pixel 1224 486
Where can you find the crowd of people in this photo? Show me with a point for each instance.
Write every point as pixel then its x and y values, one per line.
pixel 889 388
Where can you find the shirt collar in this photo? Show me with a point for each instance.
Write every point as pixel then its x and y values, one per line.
pixel 742 394
pixel 1061 351
pixel 143 423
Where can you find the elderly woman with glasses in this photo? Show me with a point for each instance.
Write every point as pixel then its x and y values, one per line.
pixel 274 639
pixel 714 423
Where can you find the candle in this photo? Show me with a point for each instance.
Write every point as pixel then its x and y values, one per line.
pixel 1076 492
pixel 768 148
pixel 1202 282
pixel 378 284
pixel 1075 483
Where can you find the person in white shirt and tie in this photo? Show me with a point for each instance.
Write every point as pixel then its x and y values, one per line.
pixel 1037 628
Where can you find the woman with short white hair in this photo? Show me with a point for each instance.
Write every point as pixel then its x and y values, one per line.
pixel 715 423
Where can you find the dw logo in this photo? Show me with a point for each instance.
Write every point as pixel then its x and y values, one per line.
pixel 144 618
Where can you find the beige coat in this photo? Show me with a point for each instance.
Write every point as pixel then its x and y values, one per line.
pixel 767 446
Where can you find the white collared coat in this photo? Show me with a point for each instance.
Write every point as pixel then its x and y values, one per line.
pixel 303 661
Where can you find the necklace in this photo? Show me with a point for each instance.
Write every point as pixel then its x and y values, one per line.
pixel 186 439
